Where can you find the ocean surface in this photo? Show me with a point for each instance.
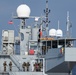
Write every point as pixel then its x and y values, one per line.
pixel 74 71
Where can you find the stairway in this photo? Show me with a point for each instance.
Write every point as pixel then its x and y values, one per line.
pixel 16 62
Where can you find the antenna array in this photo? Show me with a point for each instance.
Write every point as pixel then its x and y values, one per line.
pixel 46 11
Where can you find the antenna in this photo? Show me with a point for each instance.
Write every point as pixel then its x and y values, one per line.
pixel 58 24
pixel 59 32
pixel 46 11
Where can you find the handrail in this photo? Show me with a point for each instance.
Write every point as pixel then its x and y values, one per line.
pixel 14 69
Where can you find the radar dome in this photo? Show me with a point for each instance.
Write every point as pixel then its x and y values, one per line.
pixel 52 32
pixel 59 33
pixel 23 11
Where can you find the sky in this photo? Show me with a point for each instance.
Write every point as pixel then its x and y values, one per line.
pixel 58 9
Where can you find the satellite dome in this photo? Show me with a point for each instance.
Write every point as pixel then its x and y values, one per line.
pixel 59 33
pixel 52 32
pixel 23 11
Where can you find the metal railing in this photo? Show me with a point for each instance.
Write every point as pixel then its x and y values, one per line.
pixel 14 69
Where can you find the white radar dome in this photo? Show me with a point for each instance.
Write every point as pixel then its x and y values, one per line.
pixel 52 32
pixel 59 33
pixel 23 11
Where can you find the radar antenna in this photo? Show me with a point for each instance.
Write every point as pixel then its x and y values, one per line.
pixel 46 11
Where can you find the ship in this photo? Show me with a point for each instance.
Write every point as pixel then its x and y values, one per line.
pixel 37 50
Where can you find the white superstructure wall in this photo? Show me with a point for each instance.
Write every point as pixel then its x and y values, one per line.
pixel 8 41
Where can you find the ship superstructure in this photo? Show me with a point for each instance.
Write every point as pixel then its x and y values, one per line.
pixel 39 54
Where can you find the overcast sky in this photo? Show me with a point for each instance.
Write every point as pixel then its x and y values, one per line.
pixel 58 9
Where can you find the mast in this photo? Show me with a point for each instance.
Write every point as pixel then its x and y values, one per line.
pixel 46 11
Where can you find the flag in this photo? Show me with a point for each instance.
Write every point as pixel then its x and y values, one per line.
pixel 70 25
pixel 40 33
pixel 10 22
